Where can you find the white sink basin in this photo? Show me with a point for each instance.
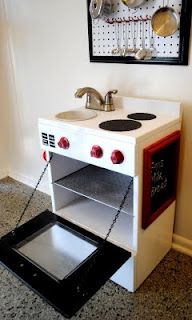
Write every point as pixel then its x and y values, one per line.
pixel 78 114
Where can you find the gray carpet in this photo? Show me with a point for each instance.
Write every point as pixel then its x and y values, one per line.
pixel 166 294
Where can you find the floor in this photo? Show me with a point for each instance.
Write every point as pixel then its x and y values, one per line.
pixel 166 294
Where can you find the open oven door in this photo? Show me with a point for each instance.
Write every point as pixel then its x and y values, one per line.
pixel 60 261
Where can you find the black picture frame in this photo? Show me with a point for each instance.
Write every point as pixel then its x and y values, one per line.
pixel 185 26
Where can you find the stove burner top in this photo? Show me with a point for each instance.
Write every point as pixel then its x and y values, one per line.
pixel 120 125
pixel 141 116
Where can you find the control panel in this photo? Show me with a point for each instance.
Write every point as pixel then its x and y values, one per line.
pixel 100 151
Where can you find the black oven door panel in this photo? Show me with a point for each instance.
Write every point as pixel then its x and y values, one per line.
pixel 60 261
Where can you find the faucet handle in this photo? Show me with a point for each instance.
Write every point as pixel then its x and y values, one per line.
pixel 109 106
pixel 111 92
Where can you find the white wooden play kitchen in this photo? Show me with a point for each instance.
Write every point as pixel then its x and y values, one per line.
pixel 94 161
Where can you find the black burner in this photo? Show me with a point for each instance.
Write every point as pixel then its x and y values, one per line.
pixel 141 116
pixel 120 125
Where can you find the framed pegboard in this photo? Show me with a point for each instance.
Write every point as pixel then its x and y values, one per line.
pixel 119 36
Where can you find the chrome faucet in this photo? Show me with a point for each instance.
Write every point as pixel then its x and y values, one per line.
pixel 94 99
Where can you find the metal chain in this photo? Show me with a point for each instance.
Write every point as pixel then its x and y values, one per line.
pixel 118 211
pixel 80 288
pixel 28 202
pixel 32 194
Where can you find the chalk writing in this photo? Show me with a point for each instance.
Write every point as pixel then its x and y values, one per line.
pixel 159 179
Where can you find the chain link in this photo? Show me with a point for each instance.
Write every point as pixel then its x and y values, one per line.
pixel 80 288
pixel 32 194
pixel 28 202
pixel 118 212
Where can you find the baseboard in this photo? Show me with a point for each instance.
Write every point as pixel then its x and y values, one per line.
pixel 183 245
pixel 43 186
pixel 3 173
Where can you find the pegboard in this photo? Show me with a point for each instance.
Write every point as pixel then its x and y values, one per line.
pixel 119 36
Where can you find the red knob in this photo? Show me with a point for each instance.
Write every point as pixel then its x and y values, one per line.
pixel 44 155
pixel 63 143
pixel 96 152
pixel 117 157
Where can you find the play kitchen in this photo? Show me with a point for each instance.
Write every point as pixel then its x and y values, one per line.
pixel 112 168
pixel 139 31
pixel 116 169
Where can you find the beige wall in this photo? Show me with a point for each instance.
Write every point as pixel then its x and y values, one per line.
pixel 3 123
pixel 4 100
pixel 49 47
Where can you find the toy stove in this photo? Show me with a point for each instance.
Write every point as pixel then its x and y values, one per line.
pixel 92 163
pixel 111 139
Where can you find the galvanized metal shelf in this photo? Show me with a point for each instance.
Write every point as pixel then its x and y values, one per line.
pixel 100 185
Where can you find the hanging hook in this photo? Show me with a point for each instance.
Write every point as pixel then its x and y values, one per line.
pixel 118 20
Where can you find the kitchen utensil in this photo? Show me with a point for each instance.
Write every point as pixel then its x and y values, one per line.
pixel 118 36
pixel 134 35
pixel 100 8
pixel 125 51
pixel 128 50
pixel 152 39
pixel 151 49
pixel 165 21
pixel 133 3
pixel 142 52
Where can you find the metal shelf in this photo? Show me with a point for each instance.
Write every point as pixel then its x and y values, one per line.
pixel 101 185
pixel 97 218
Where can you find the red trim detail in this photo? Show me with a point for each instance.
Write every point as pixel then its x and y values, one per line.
pixel 147 215
pixel 44 155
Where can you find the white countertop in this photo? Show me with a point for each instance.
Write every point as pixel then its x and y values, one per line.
pixel 167 112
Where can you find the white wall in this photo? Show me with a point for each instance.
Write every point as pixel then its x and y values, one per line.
pixel 50 54
pixel 3 124
pixel 4 100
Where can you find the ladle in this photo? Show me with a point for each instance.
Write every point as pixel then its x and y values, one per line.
pixel 134 34
pixel 118 36
pixel 126 50
pixel 142 52
pixel 151 49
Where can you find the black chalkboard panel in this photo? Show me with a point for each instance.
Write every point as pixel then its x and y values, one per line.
pixel 160 168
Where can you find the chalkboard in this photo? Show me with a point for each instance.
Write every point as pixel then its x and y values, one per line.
pixel 160 167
